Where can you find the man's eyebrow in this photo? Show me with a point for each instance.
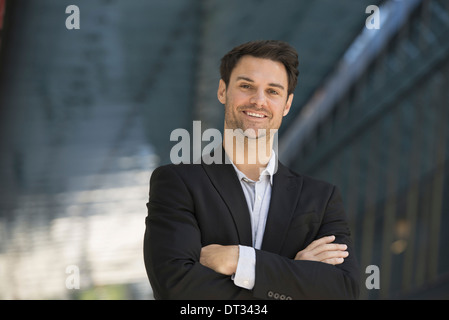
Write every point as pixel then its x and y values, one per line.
pixel 277 85
pixel 244 78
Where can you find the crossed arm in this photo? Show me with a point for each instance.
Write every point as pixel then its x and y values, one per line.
pixel 180 268
pixel 224 259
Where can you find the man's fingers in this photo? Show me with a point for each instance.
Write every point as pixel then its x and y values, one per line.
pixel 334 261
pixel 324 250
pixel 337 254
pixel 331 257
pixel 328 247
pixel 320 242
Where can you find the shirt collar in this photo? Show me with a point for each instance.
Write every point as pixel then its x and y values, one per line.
pixel 268 171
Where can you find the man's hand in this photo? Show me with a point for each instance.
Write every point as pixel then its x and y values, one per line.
pixel 325 251
pixel 221 259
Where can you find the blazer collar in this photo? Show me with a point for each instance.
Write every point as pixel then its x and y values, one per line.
pixel 225 181
pixel 284 198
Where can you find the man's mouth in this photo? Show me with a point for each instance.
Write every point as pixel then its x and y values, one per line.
pixel 254 114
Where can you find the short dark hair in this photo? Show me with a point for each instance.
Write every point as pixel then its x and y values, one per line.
pixel 275 50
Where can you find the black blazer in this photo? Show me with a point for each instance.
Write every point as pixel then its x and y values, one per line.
pixel 194 205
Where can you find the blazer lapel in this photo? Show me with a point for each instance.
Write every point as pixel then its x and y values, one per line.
pixel 284 198
pixel 225 180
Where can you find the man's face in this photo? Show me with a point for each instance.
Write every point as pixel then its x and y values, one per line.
pixel 256 96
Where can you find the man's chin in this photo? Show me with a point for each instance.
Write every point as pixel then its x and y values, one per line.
pixel 252 133
pixel 255 134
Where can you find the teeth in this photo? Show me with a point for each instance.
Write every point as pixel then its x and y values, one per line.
pixel 255 115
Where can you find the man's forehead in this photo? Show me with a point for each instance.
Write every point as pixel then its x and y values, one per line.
pixel 254 68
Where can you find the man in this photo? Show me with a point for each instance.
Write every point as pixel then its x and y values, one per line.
pixel 248 227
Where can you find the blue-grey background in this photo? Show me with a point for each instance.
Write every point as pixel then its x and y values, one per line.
pixel 86 115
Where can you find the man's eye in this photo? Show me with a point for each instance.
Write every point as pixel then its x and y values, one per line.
pixel 245 86
pixel 274 92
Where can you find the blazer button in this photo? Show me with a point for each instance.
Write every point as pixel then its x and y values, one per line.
pixel 270 294
pixel 282 297
pixel 276 296
pixel 288 298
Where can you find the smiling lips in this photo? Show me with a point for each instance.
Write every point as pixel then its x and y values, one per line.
pixel 254 114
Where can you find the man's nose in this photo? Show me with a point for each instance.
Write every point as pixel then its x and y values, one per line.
pixel 259 99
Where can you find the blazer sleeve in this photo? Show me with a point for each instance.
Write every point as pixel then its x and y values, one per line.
pixel 172 245
pixel 279 277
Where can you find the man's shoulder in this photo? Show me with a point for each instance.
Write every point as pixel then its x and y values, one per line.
pixel 308 181
pixel 195 176
pixel 171 175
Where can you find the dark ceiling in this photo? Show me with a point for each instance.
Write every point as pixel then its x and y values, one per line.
pixel 321 31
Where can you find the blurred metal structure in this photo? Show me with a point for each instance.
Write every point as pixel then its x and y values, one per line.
pixel 321 31
pixel 384 140
pixel 80 114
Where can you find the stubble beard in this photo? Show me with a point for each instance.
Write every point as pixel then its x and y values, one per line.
pixel 239 137
pixel 234 123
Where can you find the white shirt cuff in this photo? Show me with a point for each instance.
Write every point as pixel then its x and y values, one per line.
pixel 245 274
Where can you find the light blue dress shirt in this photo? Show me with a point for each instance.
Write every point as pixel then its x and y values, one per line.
pixel 258 196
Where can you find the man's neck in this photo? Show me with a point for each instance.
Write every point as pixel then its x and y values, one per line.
pixel 250 157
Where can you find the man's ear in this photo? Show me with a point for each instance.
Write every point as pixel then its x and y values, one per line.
pixel 288 104
pixel 221 92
